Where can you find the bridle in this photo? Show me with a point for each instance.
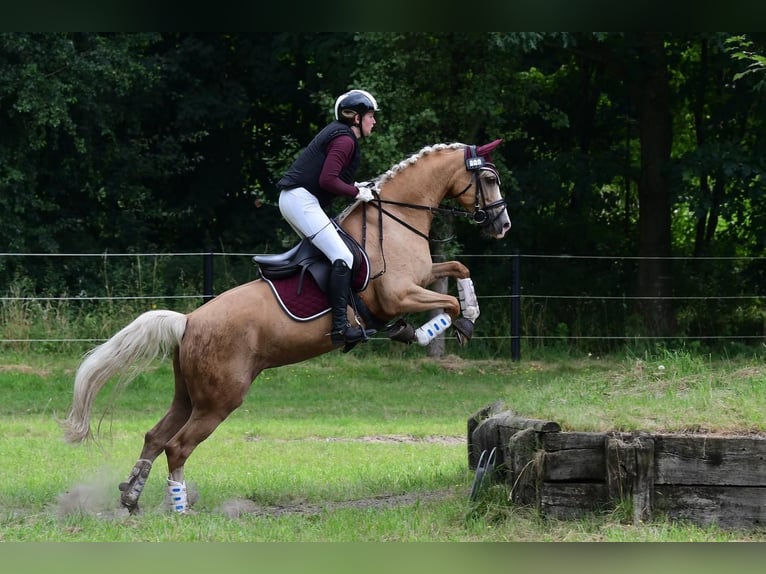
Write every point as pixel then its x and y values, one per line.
pixel 481 210
pixel 475 164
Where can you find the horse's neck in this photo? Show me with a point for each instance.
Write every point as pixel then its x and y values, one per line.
pixel 424 185
pixel 409 196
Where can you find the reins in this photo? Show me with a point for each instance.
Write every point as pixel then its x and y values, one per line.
pixel 434 210
pixel 479 215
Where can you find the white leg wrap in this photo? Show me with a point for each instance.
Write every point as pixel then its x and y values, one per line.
pixel 432 329
pixel 468 301
pixel 177 498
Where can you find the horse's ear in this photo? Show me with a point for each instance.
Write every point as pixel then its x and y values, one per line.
pixel 486 149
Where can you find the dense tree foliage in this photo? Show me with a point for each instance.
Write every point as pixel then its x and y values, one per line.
pixel 646 145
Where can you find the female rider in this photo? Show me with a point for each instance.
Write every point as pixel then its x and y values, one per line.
pixel 323 170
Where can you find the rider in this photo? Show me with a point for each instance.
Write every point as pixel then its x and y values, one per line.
pixel 323 170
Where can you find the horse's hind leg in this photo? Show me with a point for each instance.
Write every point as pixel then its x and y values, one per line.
pixel 131 489
pixel 200 426
pixel 154 443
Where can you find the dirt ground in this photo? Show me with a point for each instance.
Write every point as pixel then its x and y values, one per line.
pixel 100 497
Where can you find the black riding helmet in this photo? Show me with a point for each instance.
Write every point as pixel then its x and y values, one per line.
pixel 355 101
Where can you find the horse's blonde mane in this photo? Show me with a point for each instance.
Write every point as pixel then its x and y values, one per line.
pixel 398 168
pixel 413 158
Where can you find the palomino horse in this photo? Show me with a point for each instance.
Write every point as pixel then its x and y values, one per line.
pixel 219 348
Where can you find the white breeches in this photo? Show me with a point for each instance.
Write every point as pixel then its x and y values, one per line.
pixel 302 211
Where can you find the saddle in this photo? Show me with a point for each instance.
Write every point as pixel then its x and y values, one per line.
pixel 306 258
pixel 299 277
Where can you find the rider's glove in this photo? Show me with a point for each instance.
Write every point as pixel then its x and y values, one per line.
pixel 365 194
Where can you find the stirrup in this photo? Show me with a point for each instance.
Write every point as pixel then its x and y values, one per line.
pixel 346 336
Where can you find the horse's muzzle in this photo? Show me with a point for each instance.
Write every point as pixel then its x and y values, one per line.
pixel 494 226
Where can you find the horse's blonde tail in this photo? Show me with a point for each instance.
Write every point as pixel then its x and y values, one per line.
pixel 128 352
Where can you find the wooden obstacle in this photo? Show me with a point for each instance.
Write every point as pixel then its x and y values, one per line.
pixel 703 479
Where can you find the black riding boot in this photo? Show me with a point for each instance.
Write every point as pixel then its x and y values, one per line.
pixel 338 291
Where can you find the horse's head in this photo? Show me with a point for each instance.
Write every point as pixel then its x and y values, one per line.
pixel 456 170
pixel 477 189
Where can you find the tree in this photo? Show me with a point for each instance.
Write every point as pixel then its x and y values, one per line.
pixel 654 278
pixel 71 107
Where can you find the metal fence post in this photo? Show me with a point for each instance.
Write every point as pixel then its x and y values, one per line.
pixel 207 288
pixel 516 306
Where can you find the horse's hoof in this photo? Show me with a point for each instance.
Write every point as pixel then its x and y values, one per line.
pixel 402 332
pixel 131 508
pixel 463 330
pixel 128 499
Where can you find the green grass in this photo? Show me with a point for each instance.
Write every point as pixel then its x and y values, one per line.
pixel 318 448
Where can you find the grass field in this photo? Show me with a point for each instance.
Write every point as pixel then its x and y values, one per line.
pixel 348 448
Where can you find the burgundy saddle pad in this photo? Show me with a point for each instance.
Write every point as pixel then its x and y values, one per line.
pixel 301 297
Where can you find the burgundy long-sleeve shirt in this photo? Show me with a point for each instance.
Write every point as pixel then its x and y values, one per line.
pixel 340 152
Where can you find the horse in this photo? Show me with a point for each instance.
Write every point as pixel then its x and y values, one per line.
pixel 219 348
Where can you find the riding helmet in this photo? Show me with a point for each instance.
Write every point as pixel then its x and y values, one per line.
pixel 357 101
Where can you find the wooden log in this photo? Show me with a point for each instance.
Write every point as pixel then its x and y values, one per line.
pixel 573 457
pixel 723 506
pixel 490 428
pixel 484 413
pixel 509 420
pixel 484 438
pixel 572 440
pixel 643 493
pixel 703 479
pixel 523 466
pixel 571 500
pixel 474 421
pixel 710 460
pixel 509 424
pixel 620 468
pixel 630 473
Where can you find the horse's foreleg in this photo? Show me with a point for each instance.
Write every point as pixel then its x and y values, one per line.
pixel 417 299
pixel 469 304
pixel 449 269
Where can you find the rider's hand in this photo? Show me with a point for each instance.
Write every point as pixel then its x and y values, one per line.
pixel 365 194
